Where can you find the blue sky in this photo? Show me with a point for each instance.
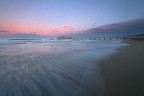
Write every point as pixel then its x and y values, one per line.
pixel 47 15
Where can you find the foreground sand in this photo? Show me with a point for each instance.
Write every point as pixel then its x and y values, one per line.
pixel 124 71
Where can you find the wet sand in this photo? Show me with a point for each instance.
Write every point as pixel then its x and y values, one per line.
pixel 123 72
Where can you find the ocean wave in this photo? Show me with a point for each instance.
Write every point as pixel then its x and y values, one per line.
pixel 54 68
pixel 21 41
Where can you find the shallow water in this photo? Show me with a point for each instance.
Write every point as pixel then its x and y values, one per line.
pixel 53 67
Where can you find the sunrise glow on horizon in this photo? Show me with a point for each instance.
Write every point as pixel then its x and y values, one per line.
pixel 54 17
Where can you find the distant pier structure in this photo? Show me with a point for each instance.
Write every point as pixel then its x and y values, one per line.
pixel 101 37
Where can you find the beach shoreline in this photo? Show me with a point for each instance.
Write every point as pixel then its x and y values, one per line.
pixel 123 72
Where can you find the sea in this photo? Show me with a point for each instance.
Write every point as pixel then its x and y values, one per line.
pixel 50 67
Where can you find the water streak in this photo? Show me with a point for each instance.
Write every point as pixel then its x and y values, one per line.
pixel 54 68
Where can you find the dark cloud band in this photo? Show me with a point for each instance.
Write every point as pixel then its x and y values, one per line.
pixel 3 31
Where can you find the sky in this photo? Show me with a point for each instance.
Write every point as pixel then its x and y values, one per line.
pixel 54 17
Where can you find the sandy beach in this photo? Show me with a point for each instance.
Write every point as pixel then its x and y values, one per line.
pixel 123 72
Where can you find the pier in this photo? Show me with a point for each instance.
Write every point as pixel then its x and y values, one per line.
pixel 101 38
